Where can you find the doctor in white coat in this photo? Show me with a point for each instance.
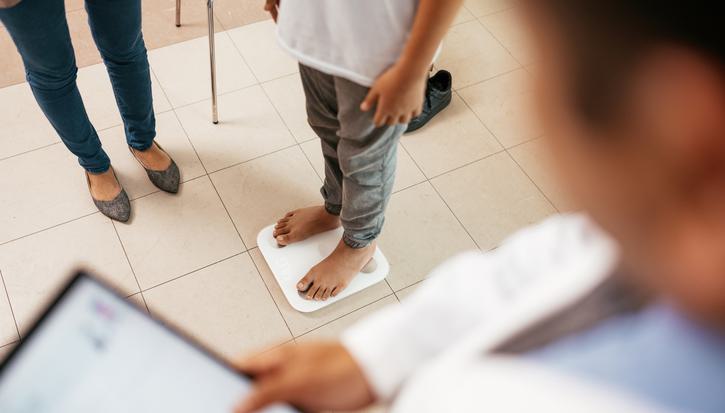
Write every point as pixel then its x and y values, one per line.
pixel 618 309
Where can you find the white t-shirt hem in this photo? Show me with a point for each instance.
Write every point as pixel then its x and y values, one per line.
pixel 326 67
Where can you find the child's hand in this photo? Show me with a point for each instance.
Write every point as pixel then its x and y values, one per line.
pixel 398 94
pixel 272 7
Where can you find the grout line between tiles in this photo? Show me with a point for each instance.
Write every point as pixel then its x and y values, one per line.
pixel 259 273
pixel 192 271
pixel 128 260
pixel 456 216
pixel 229 215
pixel 344 315
pixel 47 228
pixel 506 150
pixel 523 66
pixel 29 151
pixel 10 304
pixel 409 286
pixel 254 158
pixel 206 172
pixel 466 164
pixel 12 343
pixel 444 201
pixel 158 191
pixel 513 158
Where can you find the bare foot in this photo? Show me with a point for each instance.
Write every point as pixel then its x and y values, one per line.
pixel 303 223
pixel 104 186
pixel 331 276
pixel 153 158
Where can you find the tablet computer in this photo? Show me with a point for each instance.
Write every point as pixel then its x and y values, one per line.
pixel 94 351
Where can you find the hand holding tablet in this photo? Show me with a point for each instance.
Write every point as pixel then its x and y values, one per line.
pixel 92 351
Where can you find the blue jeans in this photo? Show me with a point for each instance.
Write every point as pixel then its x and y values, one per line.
pixel 40 32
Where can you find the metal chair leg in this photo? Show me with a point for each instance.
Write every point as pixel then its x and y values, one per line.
pixel 178 13
pixel 212 61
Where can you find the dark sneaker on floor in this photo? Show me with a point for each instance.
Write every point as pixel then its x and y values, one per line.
pixel 437 97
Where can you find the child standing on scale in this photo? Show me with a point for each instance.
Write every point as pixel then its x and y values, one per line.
pixel 364 67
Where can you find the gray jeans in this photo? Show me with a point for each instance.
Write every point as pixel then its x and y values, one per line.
pixel 360 159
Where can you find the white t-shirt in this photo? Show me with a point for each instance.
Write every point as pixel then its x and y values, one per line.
pixel 353 39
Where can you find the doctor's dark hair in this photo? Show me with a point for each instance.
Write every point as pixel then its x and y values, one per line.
pixel 608 38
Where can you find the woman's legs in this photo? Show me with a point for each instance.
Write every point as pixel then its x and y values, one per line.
pixel 40 32
pixel 116 29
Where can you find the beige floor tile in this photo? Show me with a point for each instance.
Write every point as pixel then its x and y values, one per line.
pixel 301 323
pixel 8 331
pixel 407 173
pixel 504 105
pixel 420 232
pixel 183 70
pixel 258 44
pixel 172 138
pixel 452 139
pixel 288 98
pixel 11 65
pixel 5 350
pixel 249 127
pixel 99 101
pixel 484 7
pixel 335 328
pixel 235 13
pixel 493 198
pixel 535 159
pixel 226 306
pixel 159 22
pixel 171 235
pixel 464 15
pixel 259 192
pixel 83 43
pixel 507 27
pixel 39 189
pixel 35 267
pixel 24 127
pixel 472 55
pixel 406 292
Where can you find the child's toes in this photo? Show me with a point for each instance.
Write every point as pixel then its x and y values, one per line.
pixel 326 294
pixel 337 290
pixel 280 231
pixel 304 284
pixel 281 223
pixel 312 292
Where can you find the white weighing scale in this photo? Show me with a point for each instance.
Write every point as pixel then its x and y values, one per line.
pixel 290 263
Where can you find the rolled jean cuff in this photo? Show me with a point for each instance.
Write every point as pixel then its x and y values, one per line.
pixel 354 243
pixel 141 147
pixel 333 209
pixel 97 164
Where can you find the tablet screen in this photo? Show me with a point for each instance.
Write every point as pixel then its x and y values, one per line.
pixel 95 352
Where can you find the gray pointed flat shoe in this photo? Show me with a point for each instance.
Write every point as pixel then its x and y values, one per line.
pixel 166 180
pixel 119 208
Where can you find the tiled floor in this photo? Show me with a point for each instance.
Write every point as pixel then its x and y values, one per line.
pixel 471 177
